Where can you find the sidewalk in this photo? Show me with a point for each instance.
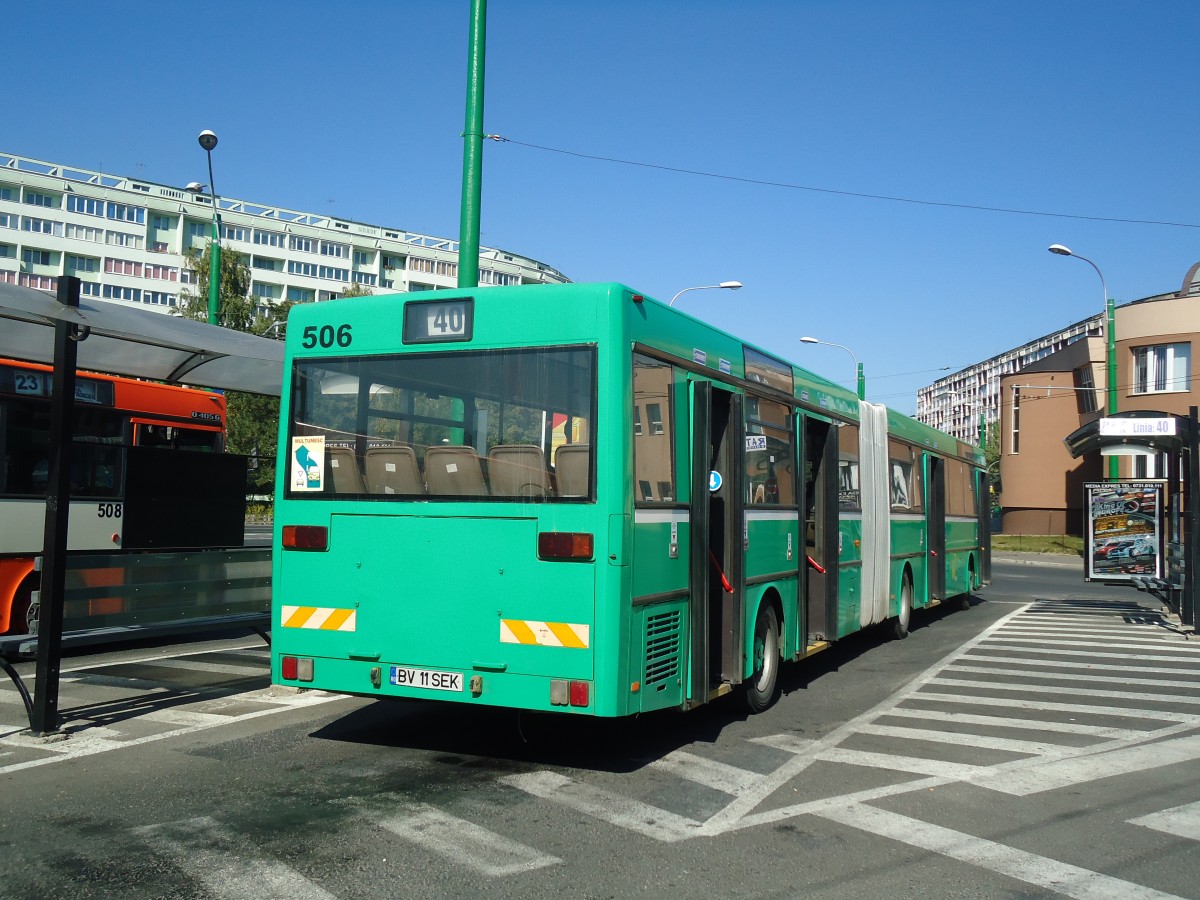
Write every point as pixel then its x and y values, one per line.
pixel 1057 560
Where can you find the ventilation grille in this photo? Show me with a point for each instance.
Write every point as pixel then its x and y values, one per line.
pixel 662 647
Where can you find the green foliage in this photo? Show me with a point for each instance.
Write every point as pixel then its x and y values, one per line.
pixel 253 420
pixel 991 455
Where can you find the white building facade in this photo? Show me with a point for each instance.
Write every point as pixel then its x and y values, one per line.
pixel 124 238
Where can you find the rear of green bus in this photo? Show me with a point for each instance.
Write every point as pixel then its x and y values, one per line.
pixel 440 531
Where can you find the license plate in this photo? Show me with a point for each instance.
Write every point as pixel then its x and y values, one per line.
pixel 427 679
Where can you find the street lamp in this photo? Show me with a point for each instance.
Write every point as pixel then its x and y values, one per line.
pixel 858 369
pixel 727 285
pixel 208 140
pixel 1110 346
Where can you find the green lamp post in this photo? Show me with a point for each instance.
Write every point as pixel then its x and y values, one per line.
pixel 208 140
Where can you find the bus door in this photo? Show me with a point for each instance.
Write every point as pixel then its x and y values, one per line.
pixel 819 502
pixel 935 504
pixel 717 542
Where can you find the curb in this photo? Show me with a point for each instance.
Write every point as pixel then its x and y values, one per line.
pixel 1052 560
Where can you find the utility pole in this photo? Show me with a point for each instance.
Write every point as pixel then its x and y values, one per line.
pixel 472 183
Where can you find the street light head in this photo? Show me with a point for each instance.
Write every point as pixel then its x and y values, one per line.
pixel 731 285
pixel 1060 250
pixel 809 340
pixel 208 140
pixel 195 187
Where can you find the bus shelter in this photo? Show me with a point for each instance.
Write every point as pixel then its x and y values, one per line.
pixel 1145 532
pixel 72 333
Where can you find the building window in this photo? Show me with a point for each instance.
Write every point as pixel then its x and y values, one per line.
pixel 89 206
pixel 163 273
pixel 266 291
pixel 300 295
pixel 270 265
pixel 420 264
pixel 637 419
pixel 235 232
pixel 123 212
pixel 8 251
pixel 89 289
pixel 114 292
pixel 41 226
pixel 158 298
pixel 33 257
pixel 1161 369
pixel 1085 389
pixel 9 220
pixel 391 261
pixel 114 266
pixel 654 414
pixel 447 268
pixel 82 263
pixel 303 244
pixel 120 239
pixel 309 270
pixel 162 223
pixel 270 238
pixel 364 257
pixel 195 229
pixel 366 278
pixel 38 282
pixel 1015 434
pixel 34 198
pixel 333 274
pixel 6 193
pixel 339 251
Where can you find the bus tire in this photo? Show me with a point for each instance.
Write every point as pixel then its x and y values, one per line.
pixel 901 622
pixel 761 690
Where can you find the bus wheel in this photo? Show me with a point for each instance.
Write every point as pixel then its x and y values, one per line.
pixel 763 687
pixel 900 623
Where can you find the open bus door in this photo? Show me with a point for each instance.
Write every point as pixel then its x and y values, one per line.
pixel 717 514
pixel 819 499
pixel 936 512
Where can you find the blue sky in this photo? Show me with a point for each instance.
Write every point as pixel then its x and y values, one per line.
pixel 1082 109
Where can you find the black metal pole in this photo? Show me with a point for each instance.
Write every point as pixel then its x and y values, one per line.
pixel 1191 503
pixel 43 719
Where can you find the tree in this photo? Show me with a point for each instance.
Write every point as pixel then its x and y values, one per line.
pixel 991 455
pixel 252 419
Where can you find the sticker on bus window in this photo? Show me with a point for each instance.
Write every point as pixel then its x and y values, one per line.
pixel 308 463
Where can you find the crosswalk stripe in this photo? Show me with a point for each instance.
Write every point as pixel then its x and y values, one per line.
pixel 1038 650
pixel 1132 645
pixel 1093 677
pixel 221 862
pixel 606 806
pixel 1055 664
pixel 1098 731
pixel 963 739
pixel 1060 877
pixel 708 772
pixel 1080 708
pixel 1077 770
pixel 896 763
pixel 464 843
pixel 263 669
pixel 1096 636
pixel 991 684
pixel 1180 821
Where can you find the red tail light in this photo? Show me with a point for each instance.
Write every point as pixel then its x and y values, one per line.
pixel 288 667
pixel 565 545
pixel 305 537
pixel 580 691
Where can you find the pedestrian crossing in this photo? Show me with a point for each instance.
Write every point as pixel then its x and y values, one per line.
pixel 1054 695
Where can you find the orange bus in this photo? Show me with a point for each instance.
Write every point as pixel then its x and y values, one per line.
pixel 148 472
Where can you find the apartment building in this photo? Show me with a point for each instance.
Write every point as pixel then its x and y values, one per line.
pixel 124 238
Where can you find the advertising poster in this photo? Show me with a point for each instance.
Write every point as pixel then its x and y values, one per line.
pixel 1124 529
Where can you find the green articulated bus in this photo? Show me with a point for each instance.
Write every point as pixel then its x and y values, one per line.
pixel 575 498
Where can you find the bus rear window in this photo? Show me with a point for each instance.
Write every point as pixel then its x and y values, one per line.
pixel 495 424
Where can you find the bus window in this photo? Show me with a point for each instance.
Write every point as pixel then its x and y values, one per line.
pixel 653 446
pixel 470 409
pixel 849 492
pixel 769 455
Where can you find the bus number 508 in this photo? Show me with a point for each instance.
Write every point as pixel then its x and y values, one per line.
pixel 109 511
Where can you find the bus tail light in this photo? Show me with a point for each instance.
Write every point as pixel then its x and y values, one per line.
pixel 570 693
pixel 294 668
pixel 305 537
pixel 565 545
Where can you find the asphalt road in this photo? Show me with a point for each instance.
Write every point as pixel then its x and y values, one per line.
pixel 1041 743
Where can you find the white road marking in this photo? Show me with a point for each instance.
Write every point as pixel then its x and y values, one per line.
pixel 606 806
pixel 1180 821
pixel 464 843
pixel 1030 868
pixel 1100 731
pixel 1023 687
pixel 1079 708
pixel 893 762
pixel 1023 645
pixel 1059 668
pixel 708 772
pixel 1046 776
pixel 219 860
pixel 961 739
pixel 216 668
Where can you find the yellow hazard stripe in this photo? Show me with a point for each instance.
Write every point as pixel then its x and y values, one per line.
pixel 320 618
pixel 544 634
